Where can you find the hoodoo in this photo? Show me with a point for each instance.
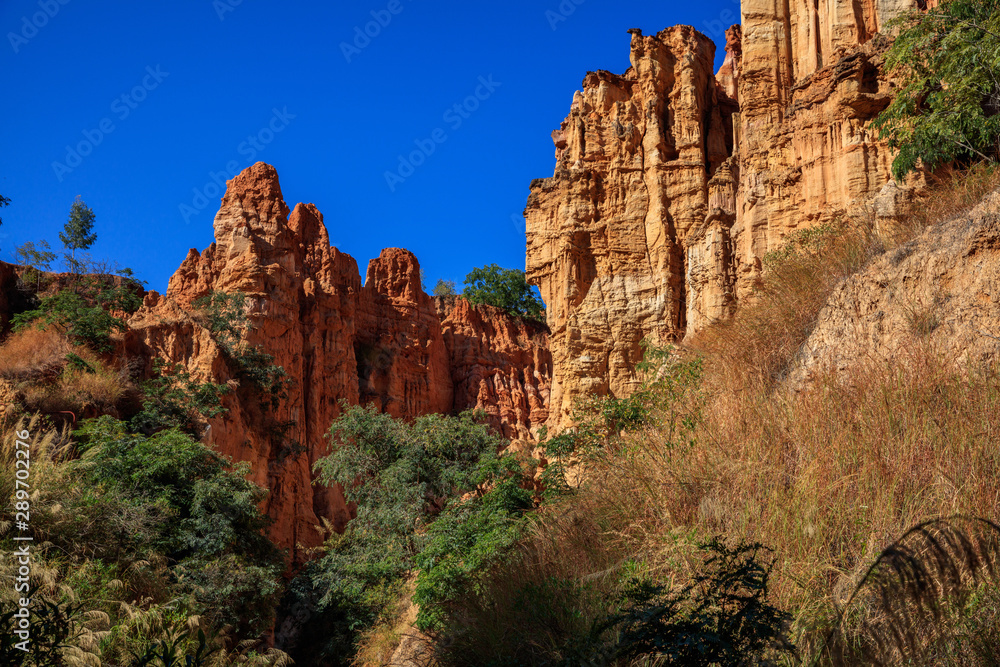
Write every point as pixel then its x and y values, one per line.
pixel 672 183
pixel 384 343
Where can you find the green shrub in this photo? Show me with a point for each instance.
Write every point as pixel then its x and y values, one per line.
pixel 469 539
pixel 170 494
pixel 506 289
pixel 89 313
pixel 722 617
pixel 172 399
pixel 226 318
pixel 53 627
pixel 948 108
pixel 404 479
pixel 669 397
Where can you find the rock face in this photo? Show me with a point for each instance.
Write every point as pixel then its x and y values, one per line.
pixel 935 294
pixel 672 184
pixel 384 342
pixel 498 363
pixel 810 84
pixel 607 234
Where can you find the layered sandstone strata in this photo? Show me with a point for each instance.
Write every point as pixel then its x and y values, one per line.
pixel 812 80
pixel 382 342
pixel 608 233
pixel 672 184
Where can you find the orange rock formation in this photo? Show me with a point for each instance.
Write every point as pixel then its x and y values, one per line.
pixel 385 343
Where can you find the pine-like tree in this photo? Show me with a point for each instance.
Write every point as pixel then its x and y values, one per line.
pixel 78 233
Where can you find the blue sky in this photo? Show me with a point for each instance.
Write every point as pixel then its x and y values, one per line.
pixel 168 94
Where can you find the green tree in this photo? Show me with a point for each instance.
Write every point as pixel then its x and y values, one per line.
pixel 445 288
pixel 78 232
pixel 402 478
pixel 504 288
pixel 173 399
pixel 4 201
pixel 948 107
pixel 34 259
pixel 206 517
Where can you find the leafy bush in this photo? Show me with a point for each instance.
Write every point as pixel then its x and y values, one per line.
pixel 722 617
pixel 89 313
pixel 226 317
pixel 506 289
pixel 100 522
pixel 172 399
pixel 178 498
pixel 469 539
pixel 53 626
pixel 668 398
pixel 404 478
pixel 948 107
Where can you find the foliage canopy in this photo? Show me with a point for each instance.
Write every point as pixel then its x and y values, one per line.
pixel 408 481
pixel 504 288
pixel 948 107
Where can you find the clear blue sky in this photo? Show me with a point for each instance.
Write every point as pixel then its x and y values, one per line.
pixel 197 86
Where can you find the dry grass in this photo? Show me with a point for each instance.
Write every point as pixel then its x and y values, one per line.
pixel 33 353
pixel 826 478
pixel 754 350
pixel 86 393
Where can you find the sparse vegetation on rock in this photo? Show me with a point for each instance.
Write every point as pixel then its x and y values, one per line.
pixel 506 289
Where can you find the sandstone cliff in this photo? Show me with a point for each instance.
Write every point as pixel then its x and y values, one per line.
pixel 607 233
pixel 384 342
pixel 672 183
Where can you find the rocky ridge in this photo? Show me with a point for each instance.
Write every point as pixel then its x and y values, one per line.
pixel 673 182
pixel 933 296
pixel 383 342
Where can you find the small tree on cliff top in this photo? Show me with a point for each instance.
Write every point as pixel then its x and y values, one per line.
pixel 503 288
pixel 444 288
pixel 948 108
pixel 78 232
pixel 4 201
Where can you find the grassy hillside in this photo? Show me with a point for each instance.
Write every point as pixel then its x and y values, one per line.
pixel 805 492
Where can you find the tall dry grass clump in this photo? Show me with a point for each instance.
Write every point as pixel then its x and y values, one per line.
pixel 33 352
